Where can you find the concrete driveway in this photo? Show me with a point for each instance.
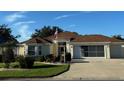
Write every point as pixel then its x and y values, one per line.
pixel 93 70
pixel 107 70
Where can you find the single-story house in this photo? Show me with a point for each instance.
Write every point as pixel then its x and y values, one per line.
pixel 80 47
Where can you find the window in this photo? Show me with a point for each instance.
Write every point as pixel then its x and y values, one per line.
pixel 39 50
pixel 31 50
pixel 92 51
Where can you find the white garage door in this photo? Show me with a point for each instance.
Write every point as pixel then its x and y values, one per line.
pixel 116 51
pixel 76 52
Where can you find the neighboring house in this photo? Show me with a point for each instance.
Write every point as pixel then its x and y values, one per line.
pixel 80 47
pixel 7 43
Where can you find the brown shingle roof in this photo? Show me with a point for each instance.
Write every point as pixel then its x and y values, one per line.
pixel 96 38
pixel 85 38
pixel 73 38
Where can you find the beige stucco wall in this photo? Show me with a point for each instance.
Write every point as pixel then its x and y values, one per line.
pixel 72 50
pixel 46 49
pixel 21 50
pixel 107 51
pixel 51 48
pixel 54 49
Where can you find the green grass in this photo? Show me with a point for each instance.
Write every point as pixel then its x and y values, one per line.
pixel 13 65
pixel 1 65
pixel 39 70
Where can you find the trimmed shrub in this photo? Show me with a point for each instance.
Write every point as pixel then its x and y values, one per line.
pixel 57 59
pixel 50 58
pixel 40 58
pixel 25 62
pixel 29 62
pixel 62 58
pixel 21 60
pixel 68 57
pixel 8 56
pixel 37 58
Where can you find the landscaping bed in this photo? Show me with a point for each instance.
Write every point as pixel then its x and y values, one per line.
pixel 39 70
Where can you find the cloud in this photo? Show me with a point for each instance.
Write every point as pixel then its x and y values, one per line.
pixel 62 16
pixel 86 11
pixel 72 25
pixel 23 29
pixel 66 16
pixel 24 32
pixel 15 16
pixel 23 22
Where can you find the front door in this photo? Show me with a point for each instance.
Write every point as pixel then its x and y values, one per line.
pixel 61 50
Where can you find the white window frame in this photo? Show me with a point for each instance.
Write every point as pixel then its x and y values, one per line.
pixel 33 50
pixel 40 50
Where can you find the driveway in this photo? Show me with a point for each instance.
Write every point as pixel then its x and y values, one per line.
pixel 107 70
pixel 93 70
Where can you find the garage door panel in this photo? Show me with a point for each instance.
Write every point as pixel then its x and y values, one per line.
pixel 116 51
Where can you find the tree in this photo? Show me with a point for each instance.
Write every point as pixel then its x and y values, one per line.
pixel 8 56
pixel 118 37
pixel 46 31
pixel 7 42
pixel 5 35
pixel 73 32
pixel 6 38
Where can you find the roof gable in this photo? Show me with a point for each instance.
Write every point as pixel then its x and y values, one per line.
pixel 36 40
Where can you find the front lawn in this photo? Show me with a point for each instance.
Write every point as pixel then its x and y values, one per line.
pixel 38 70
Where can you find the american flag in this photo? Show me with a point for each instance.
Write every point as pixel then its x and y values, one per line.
pixel 55 34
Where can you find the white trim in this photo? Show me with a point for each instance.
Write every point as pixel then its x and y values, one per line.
pixel 97 43
pixel 89 43
pixel 39 44
pixel 90 57
pixel 36 50
pixel 62 40
pixel 117 42
pixel 27 51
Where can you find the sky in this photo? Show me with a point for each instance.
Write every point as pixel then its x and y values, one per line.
pixel 24 23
